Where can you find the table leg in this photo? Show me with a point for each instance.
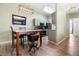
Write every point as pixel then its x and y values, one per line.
pixel 40 39
pixel 17 43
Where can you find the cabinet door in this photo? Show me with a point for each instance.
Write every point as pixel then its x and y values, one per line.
pixel 48 25
pixel 34 22
pixel 52 35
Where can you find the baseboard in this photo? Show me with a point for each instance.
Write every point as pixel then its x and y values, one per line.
pixel 59 41
pixel 62 40
pixel 52 42
pixel 49 41
pixel 6 42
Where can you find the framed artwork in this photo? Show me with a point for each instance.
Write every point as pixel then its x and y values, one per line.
pixel 18 20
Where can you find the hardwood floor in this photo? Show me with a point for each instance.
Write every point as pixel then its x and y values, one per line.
pixel 71 45
pixel 68 47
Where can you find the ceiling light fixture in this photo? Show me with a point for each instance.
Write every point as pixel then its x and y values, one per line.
pixel 21 7
pixel 48 10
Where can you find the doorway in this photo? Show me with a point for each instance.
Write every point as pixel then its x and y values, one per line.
pixel 74 26
pixel 71 26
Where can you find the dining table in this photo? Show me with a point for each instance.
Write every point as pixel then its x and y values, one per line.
pixel 27 32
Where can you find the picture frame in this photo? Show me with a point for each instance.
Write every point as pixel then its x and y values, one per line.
pixel 18 20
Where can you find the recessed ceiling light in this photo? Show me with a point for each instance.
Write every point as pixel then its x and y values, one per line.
pixel 48 10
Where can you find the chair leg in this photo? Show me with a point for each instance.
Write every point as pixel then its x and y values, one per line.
pixel 23 42
pixel 12 43
pixel 34 49
pixel 30 48
pixel 36 46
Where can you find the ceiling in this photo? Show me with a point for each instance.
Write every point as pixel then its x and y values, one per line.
pixel 74 7
pixel 70 7
pixel 38 7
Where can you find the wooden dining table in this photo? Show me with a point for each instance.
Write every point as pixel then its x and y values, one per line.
pixel 27 32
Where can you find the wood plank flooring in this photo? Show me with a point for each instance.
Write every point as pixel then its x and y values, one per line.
pixel 69 47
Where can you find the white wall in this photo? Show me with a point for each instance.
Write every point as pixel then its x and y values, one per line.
pixel 62 23
pixel 6 11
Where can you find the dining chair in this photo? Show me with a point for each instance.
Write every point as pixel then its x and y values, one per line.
pixel 21 36
pixel 33 42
